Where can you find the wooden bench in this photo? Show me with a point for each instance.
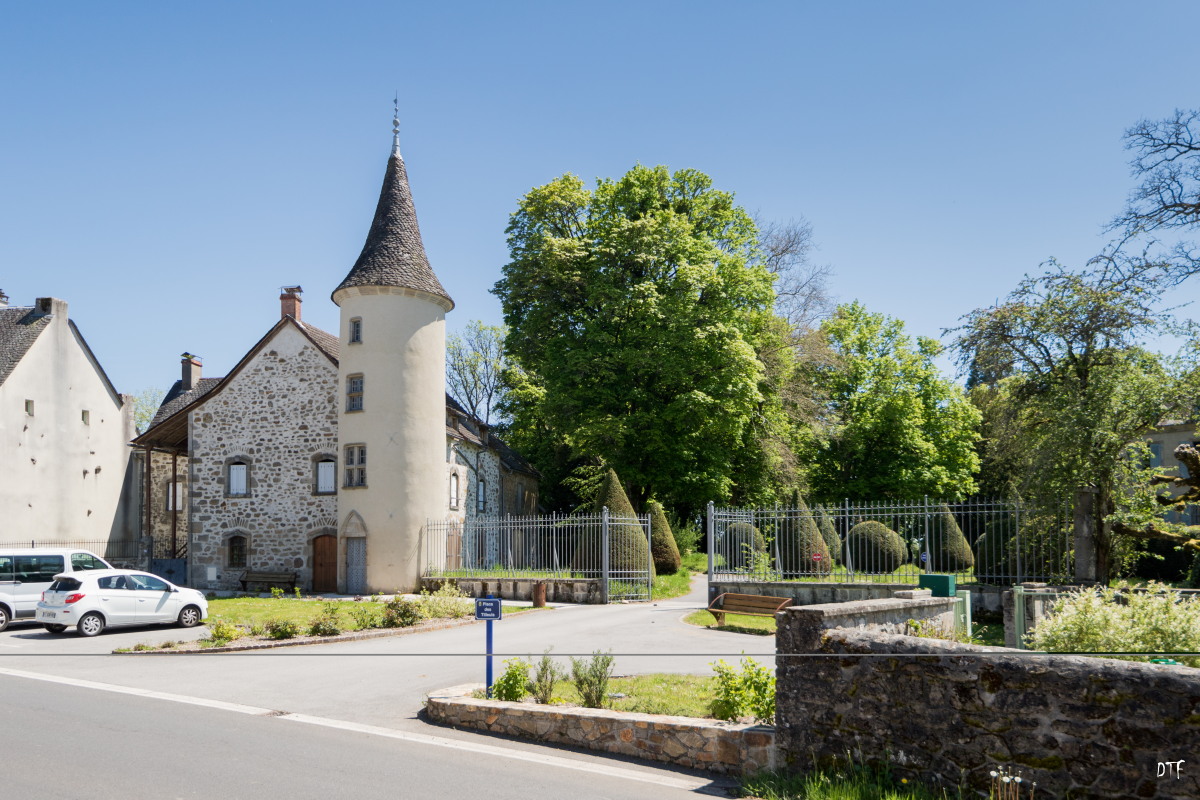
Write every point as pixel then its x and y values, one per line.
pixel 753 605
pixel 279 579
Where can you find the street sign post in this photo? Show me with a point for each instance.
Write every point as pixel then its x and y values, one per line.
pixel 488 608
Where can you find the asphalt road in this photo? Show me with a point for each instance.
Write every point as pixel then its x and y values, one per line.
pixel 354 691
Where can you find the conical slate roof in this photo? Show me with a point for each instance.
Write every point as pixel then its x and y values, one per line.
pixel 393 254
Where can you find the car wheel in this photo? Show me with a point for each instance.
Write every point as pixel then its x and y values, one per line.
pixel 55 628
pixel 90 624
pixel 4 618
pixel 189 617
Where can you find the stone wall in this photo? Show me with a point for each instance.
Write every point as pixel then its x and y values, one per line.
pixel 162 517
pixel 558 590
pixel 950 713
pixel 279 413
pixel 807 624
pixel 687 742
pixel 983 598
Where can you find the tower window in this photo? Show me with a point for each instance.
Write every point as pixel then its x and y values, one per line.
pixel 454 490
pixel 356 330
pixel 354 393
pixel 356 465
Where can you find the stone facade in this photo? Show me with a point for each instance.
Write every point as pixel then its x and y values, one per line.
pixel 168 518
pixel 707 744
pixel 950 713
pixel 278 416
pixel 984 598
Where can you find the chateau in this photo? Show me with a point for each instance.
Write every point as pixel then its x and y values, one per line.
pixel 325 455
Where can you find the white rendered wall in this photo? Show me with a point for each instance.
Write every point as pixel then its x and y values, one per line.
pixel 402 358
pixel 63 480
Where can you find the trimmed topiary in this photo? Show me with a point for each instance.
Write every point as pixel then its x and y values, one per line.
pixel 873 547
pixel 801 547
pixel 830 535
pixel 993 551
pixel 741 543
pixel 949 550
pixel 662 542
pixel 627 548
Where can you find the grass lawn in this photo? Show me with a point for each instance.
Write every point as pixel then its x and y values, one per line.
pixel 251 611
pixel 678 695
pixel 734 623
pixel 847 783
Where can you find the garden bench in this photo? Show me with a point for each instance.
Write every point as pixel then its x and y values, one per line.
pixel 753 605
pixel 279 579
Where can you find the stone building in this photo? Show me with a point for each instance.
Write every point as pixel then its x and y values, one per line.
pixel 323 455
pixel 64 433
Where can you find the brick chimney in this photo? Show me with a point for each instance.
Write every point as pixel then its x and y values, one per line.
pixel 191 371
pixel 289 302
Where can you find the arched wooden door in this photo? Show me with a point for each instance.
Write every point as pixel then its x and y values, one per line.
pixel 324 563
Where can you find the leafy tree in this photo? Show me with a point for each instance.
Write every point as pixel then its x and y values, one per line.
pixel 662 542
pixel 891 426
pixel 475 367
pixel 1071 386
pixel 635 313
pixel 145 406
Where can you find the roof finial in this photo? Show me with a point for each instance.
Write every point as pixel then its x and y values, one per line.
pixel 396 125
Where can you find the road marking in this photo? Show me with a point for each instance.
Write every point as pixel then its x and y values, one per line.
pixel 687 783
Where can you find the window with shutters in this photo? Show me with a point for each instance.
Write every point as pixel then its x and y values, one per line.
pixel 355 466
pixel 238 479
pixel 326 476
pixel 174 494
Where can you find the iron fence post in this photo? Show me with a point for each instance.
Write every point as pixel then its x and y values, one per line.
pixel 711 537
pixel 604 555
pixel 649 559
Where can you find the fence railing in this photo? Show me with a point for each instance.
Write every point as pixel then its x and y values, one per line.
pixel 121 549
pixel 981 541
pixel 612 549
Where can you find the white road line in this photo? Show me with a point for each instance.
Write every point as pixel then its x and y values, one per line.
pixel 672 781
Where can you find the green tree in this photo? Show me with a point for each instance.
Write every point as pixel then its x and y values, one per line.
pixel 891 426
pixel 636 312
pixel 475 368
pixel 145 406
pixel 662 542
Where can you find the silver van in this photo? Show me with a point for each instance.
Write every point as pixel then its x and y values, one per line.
pixel 26 573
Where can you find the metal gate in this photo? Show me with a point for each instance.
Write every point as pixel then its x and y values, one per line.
pixel 172 569
pixel 356 566
pixel 628 566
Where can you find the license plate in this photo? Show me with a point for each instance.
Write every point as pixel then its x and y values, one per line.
pixel 48 614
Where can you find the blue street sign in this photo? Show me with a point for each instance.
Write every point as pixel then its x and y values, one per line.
pixel 487 608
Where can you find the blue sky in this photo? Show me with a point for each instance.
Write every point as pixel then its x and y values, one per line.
pixel 165 168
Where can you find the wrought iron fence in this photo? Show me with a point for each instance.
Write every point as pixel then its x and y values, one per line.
pixel 121 549
pixel 980 541
pixel 612 549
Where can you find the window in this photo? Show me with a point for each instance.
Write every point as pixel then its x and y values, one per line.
pixel 87 417
pixel 356 330
pixel 356 465
pixel 481 495
pixel 354 393
pixel 174 492
pixel 84 561
pixel 454 490
pixel 148 583
pixel 29 408
pixel 111 582
pixel 1156 449
pixel 237 551
pixel 37 569
pixel 326 477
pixel 239 479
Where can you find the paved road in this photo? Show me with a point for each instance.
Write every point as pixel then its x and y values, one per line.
pixel 382 682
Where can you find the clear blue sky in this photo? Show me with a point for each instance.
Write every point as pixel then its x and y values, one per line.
pixel 166 167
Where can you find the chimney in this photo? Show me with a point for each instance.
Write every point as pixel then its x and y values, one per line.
pixel 289 302
pixel 46 306
pixel 191 371
pixel 3 300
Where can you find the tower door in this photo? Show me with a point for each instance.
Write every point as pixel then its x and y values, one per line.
pixel 324 563
pixel 356 566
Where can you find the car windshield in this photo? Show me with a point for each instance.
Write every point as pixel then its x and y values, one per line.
pixel 65 585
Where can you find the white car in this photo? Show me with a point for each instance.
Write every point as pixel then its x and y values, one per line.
pixel 99 599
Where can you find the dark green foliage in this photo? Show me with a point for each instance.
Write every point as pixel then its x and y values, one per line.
pixel 401 612
pixel 874 547
pixel 742 543
pixel 830 535
pixel 627 548
pixel 662 542
pixel 993 550
pixel 1193 578
pixel 801 546
pixel 948 550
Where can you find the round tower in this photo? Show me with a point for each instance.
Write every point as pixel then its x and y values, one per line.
pixel 391 397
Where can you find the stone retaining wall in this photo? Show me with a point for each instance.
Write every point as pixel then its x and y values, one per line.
pixel 684 741
pixel 983 598
pixel 808 624
pixel 558 590
pixel 948 713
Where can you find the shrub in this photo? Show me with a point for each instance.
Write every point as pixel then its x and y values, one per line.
pixel 748 693
pixel 281 629
pixel 513 684
pixel 745 547
pixel 1159 620
pixel 993 549
pixel 802 549
pixel 949 551
pixel 364 617
pixel 447 601
pixel 829 534
pixel 663 549
pixel 591 676
pixel 687 536
pixel 222 632
pixel 1193 576
pixel 276 593
pixel 873 547
pixel 547 674
pixel 327 622
pixel 627 548
pixel 401 612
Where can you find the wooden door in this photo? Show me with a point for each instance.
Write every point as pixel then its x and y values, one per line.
pixel 324 563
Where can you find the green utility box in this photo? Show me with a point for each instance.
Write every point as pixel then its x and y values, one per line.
pixel 942 585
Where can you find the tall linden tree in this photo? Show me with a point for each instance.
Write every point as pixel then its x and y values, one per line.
pixel 635 311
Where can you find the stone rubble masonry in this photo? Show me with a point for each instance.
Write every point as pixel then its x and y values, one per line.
pixel 984 598
pixel 949 713
pixel 707 744
pixel 558 590
pixel 808 624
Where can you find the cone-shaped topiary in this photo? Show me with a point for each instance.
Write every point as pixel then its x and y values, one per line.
pixel 801 547
pixel 949 550
pixel 741 543
pixel 830 535
pixel 993 551
pixel 662 542
pixel 874 547
pixel 627 549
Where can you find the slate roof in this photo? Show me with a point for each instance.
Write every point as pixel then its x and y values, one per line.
pixel 393 254
pixel 20 327
pixel 467 427
pixel 177 398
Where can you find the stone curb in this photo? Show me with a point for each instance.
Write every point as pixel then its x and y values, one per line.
pixel 355 636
